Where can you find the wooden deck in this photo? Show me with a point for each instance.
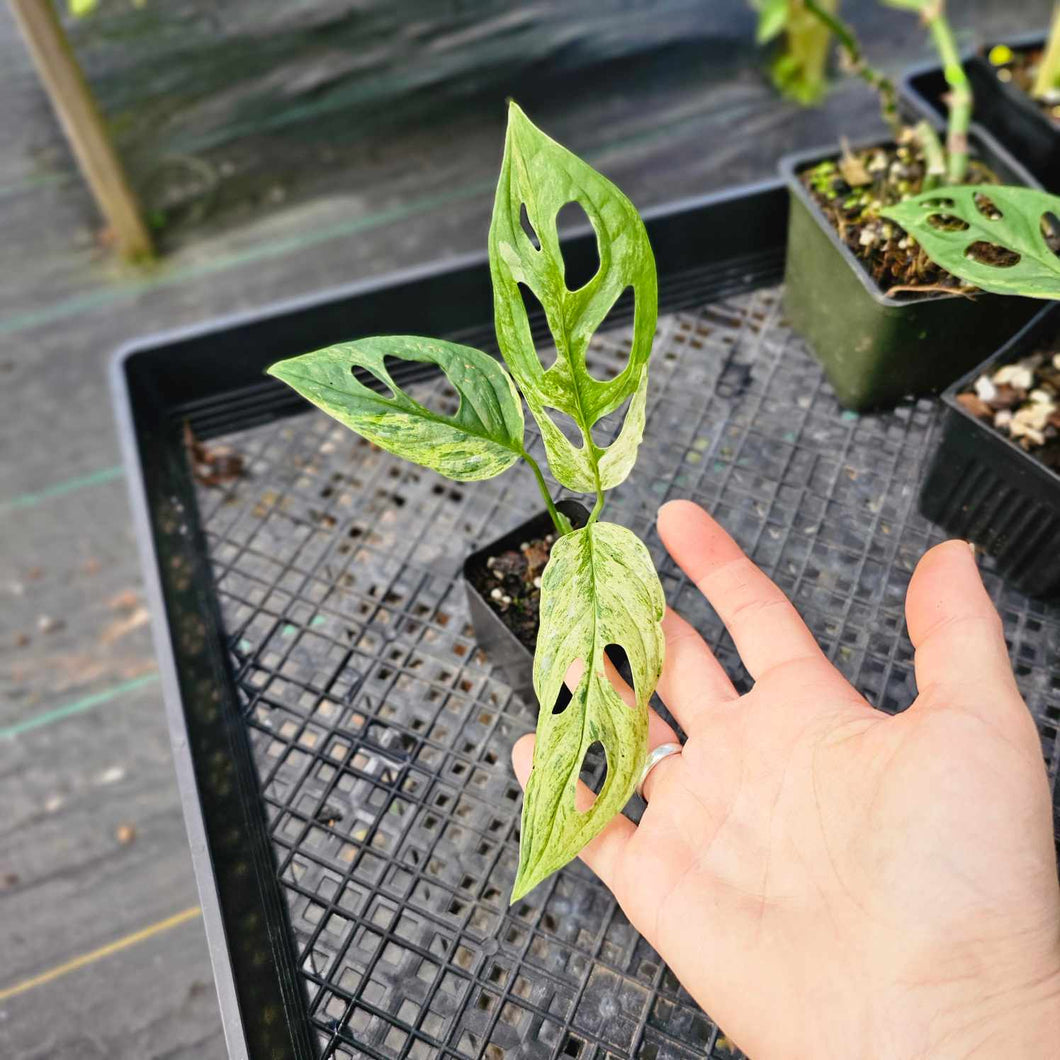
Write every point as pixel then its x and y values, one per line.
pixel 101 952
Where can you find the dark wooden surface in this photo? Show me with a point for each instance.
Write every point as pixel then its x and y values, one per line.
pixel 93 847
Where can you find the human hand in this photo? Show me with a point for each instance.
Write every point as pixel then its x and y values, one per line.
pixel 827 880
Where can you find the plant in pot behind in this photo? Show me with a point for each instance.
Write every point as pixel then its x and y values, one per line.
pixel 1017 84
pixel 884 315
pixel 599 588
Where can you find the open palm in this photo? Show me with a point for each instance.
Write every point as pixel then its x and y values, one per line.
pixel 827 880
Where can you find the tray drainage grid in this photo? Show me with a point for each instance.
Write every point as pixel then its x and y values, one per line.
pixel 381 736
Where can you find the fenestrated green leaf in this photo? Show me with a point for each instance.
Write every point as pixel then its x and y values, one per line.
pixel 484 438
pixel 1018 229
pixel 599 588
pixel 543 176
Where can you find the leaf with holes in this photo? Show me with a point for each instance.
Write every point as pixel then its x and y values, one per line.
pixel 540 176
pixel 482 439
pixel 1017 230
pixel 599 588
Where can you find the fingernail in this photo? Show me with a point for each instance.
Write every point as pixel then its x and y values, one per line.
pixel 975 551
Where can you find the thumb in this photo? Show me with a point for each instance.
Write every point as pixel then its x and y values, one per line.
pixel 961 656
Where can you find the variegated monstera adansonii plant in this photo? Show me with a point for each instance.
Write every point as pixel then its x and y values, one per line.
pixel 599 587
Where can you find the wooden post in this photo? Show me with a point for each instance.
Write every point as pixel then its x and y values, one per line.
pixel 72 101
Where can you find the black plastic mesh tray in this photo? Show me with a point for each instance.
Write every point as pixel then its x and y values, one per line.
pixel 379 836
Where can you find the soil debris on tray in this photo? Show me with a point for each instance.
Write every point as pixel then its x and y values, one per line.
pixel 124 625
pixel 1021 69
pixel 892 257
pixel 511 583
pixel 211 465
pixel 126 600
pixel 1022 402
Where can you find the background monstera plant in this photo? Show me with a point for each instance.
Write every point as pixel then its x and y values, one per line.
pixel 600 587
pixel 956 225
pixel 799 68
pixel 961 228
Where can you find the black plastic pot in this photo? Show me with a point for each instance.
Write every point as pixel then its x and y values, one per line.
pixel 1001 108
pixel 983 487
pixel 877 349
pixel 504 648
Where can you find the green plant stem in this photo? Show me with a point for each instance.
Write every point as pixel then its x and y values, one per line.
pixel 934 155
pixel 871 76
pixel 1049 66
pixel 959 103
pixel 598 507
pixel 560 523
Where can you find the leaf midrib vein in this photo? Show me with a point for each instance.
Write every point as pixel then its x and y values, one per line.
pixel 580 418
pixel 426 414
pixel 587 677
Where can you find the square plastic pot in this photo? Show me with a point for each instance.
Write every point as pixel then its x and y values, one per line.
pixel 983 487
pixel 1016 120
pixel 505 650
pixel 1001 108
pixel 877 349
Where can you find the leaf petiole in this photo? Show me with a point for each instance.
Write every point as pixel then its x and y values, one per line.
pixel 598 507
pixel 560 521
pixel 959 102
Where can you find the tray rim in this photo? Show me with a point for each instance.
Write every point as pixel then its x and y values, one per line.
pixel 173 705
pixel 430 270
pixel 126 359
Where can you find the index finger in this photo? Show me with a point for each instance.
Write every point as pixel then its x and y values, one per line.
pixel 765 627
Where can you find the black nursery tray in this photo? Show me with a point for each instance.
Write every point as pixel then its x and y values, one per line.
pixel 341 743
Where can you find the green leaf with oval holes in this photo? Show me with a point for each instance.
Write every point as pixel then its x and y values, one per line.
pixel 599 588
pixel 483 438
pixel 543 176
pixel 1018 229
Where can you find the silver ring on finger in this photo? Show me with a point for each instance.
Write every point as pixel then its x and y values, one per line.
pixel 655 756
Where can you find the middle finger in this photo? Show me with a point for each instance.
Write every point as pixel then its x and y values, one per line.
pixel 693 682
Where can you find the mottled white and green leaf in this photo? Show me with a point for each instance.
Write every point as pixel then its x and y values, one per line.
pixel 599 588
pixel 483 438
pixel 541 176
pixel 1015 225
